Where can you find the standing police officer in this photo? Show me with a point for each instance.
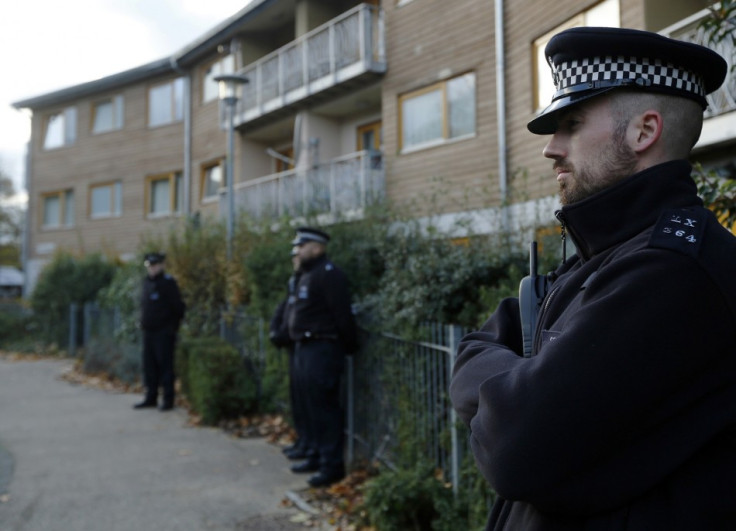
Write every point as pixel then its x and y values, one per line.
pixel 279 336
pixel 161 313
pixel 323 328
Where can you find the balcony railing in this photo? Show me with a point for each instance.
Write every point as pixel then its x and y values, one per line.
pixel 690 29
pixel 341 50
pixel 343 186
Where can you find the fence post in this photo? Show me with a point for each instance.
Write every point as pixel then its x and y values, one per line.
pixel 72 347
pixel 454 333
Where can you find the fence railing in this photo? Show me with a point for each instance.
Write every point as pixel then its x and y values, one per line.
pixel 690 29
pixel 342 186
pixel 340 50
pixel 393 387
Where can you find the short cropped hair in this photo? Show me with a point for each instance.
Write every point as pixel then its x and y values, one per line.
pixel 682 118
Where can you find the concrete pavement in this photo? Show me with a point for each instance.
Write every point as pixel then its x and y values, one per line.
pixel 73 458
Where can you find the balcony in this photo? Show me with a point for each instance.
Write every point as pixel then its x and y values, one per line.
pixel 332 58
pixel 341 188
pixel 723 100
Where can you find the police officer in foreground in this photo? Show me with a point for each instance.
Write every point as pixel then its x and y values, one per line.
pixel 624 415
pixel 162 311
pixel 322 326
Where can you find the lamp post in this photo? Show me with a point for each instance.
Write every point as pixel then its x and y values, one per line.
pixel 229 84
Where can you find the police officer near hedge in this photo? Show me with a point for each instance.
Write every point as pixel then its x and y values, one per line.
pixel 279 336
pixel 162 311
pixel 623 416
pixel 322 326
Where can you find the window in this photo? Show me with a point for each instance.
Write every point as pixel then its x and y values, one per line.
pixel 370 136
pixel 210 88
pixel 213 178
pixel 166 102
pixel 107 115
pixel 604 14
pixel 164 194
pixel 61 129
pixel 105 200
pixel 57 209
pixel 436 114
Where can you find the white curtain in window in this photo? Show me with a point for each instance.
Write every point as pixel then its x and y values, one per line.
pixel 422 118
pixel 461 100
pixel 159 105
pixel 51 211
pixel 69 208
pixel 104 117
pixel 54 132
pixel 70 125
pixel 160 197
pixel 101 200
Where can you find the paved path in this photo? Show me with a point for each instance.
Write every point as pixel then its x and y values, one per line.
pixel 73 458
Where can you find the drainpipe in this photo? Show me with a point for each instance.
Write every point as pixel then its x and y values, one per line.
pixel 186 177
pixel 501 114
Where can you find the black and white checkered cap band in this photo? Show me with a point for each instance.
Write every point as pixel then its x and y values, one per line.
pixel 598 72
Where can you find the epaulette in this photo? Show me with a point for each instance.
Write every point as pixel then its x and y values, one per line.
pixel 680 229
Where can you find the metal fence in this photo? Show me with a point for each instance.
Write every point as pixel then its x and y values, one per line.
pixel 396 389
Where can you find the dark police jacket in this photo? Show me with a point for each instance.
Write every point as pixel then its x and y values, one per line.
pixel 322 307
pixel 278 332
pixel 625 418
pixel 161 303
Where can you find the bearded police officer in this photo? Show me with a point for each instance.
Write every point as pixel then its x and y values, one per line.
pixel 624 415
pixel 162 310
pixel 322 326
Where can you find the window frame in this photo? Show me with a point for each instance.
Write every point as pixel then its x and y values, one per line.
pixel 540 69
pixel 66 199
pixel 118 114
pixel 176 108
pixel 116 200
pixel 445 138
pixel 176 182
pixel 68 120
pixel 203 197
pixel 376 128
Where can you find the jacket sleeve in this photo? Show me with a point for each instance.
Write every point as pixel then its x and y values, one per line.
pixel 639 365
pixel 278 332
pixel 176 303
pixel 483 354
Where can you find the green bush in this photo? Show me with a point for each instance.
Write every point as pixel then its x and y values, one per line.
pixel 65 280
pixel 408 500
pixel 219 384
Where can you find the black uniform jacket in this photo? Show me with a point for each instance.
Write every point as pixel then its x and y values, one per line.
pixel 322 307
pixel 625 417
pixel 161 303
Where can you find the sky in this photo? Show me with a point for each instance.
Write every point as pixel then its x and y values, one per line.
pixel 46 45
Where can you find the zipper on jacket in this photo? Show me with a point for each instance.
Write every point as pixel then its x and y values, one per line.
pixel 560 215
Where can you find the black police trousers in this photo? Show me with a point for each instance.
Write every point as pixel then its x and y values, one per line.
pixel 318 368
pixel 158 364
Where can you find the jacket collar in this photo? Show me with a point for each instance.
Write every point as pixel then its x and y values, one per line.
pixel 618 213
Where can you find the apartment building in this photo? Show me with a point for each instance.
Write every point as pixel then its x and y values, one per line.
pixel 424 102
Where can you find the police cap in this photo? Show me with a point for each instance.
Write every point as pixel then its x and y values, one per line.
pixel 154 258
pixel 589 61
pixel 309 234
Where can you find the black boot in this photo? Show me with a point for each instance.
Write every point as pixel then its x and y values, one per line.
pixel 327 477
pixel 146 404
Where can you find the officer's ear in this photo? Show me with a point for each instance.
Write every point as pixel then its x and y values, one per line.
pixel 644 130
